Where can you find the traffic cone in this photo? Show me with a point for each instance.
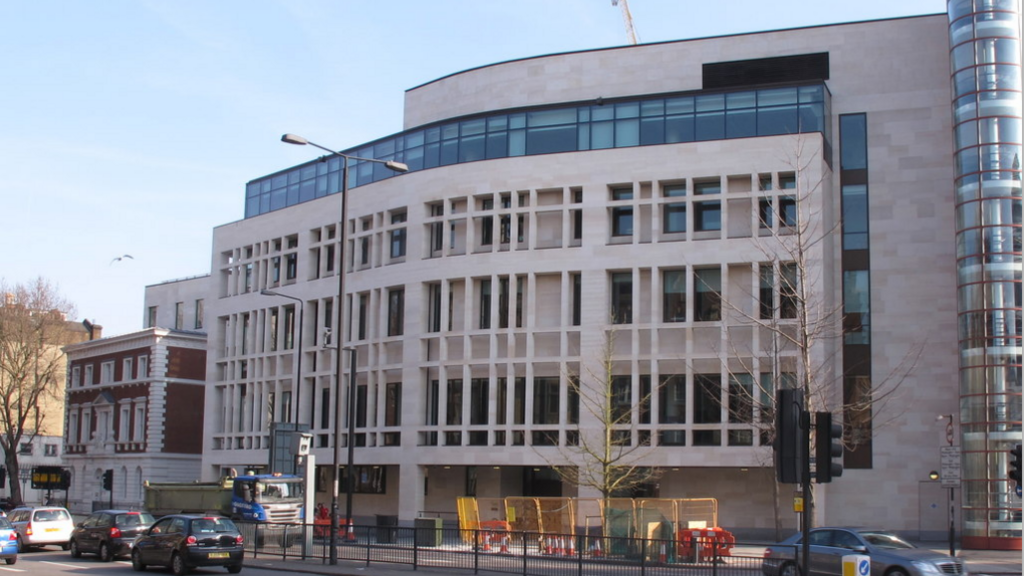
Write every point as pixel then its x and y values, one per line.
pixel 350 534
pixel 547 545
pixel 487 542
pixel 662 556
pixel 504 545
pixel 559 548
pixel 595 550
pixel 570 550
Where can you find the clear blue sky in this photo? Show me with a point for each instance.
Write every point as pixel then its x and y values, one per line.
pixel 132 126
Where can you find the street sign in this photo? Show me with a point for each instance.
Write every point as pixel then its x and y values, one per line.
pixel 949 462
pixel 50 478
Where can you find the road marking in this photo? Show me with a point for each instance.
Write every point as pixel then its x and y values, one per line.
pixel 78 566
pixel 11 569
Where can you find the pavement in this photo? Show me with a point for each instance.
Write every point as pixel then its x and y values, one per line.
pixel 979 562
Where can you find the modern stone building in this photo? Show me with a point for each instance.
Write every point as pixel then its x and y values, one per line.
pixel 661 220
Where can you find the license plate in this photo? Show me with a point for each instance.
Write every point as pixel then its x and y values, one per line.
pixel 53 529
pixel 219 555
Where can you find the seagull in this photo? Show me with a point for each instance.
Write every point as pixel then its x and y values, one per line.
pixel 119 258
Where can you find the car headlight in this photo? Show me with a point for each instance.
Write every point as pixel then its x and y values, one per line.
pixel 926 567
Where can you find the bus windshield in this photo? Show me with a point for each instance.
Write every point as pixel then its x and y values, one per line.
pixel 280 490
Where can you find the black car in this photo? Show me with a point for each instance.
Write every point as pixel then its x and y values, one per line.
pixel 186 541
pixel 108 533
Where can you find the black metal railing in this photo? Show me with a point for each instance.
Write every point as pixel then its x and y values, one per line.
pixel 428 544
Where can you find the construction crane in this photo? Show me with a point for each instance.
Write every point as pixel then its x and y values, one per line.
pixel 628 19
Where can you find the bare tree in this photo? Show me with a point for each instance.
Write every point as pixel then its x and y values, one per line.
pixel 800 323
pixel 33 328
pixel 606 452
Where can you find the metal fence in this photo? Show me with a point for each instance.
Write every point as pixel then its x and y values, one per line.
pixel 429 544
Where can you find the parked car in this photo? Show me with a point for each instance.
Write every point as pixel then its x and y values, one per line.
pixel 109 533
pixel 186 541
pixel 8 541
pixel 42 526
pixel 890 554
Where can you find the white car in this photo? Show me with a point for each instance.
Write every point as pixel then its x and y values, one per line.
pixel 41 526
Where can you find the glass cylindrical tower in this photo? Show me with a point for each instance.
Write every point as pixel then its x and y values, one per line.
pixel 985 57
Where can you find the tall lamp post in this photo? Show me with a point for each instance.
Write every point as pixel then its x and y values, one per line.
pixel 298 363
pixel 397 167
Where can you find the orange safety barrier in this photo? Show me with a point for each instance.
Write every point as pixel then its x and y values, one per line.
pixel 704 544
pixel 494 532
pixel 322 527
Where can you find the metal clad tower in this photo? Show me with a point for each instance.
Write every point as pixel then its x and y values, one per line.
pixel 985 63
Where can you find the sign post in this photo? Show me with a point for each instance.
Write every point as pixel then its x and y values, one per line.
pixel 949 460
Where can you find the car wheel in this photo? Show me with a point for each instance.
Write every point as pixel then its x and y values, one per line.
pixel 897 572
pixel 65 546
pixel 105 554
pixel 137 564
pixel 10 560
pixel 178 565
pixel 75 552
pixel 790 569
pixel 233 569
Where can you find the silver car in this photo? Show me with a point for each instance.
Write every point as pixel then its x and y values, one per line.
pixel 890 554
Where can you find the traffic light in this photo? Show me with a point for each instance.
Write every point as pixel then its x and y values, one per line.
pixel 108 479
pixel 828 444
pixel 790 440
pixel 1015 465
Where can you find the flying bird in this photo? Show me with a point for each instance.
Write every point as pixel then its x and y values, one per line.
pixel 119 258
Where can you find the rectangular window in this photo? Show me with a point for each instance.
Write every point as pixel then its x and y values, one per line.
pixel 766 292
pixel 545 401
pixel 398 236
pixel 622 221
pixel 107 372
pixel 672 399
pixel 330 258
pixel 741 399
pixel 485 304
pixel 707 399
pixel 143 369
pixel 453 405
pixel 76 375
pixel 200 312
pixel 396 312
pixel 707 216
pixel 674 218
pixel 364 250
pixel 361 405
pixel 275 269
pixel 621 399
pixel 290 328
pixel 503 298
pixel 501 401
pixel 364 310
pixel 179 315
pixel 707 286
pixel 787 211
pixel 519 401
pixel 433 403
pixel 478 397
pixel 577 294
pixel 151 317
pixel 291 270
pixel 87 380
pixel 707 187
pixel 434 307
pixel 50 450
pixel 789 290
pixel 674 296
pixel 126 369
pixel 487 230
pixel 622 297
pixel 673 190
pixel 139 428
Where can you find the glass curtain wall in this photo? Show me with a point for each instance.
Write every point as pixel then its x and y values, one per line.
pixel 985 56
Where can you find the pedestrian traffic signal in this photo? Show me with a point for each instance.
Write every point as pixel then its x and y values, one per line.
pixel 828 445
pixel 1015 464
pixel 790 440
pixel 108 479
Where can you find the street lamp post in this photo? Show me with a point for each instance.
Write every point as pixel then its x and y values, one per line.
pixel 350 476
pixel 397 167
pixel 298 363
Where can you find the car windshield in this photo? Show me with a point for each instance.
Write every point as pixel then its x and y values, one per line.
pixel 279 491
pixel 51 515
pixel 133 519
pixel 885 540
pixel 213 525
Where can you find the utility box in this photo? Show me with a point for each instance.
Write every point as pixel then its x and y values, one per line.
pixel 428 531
pixel 387 529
